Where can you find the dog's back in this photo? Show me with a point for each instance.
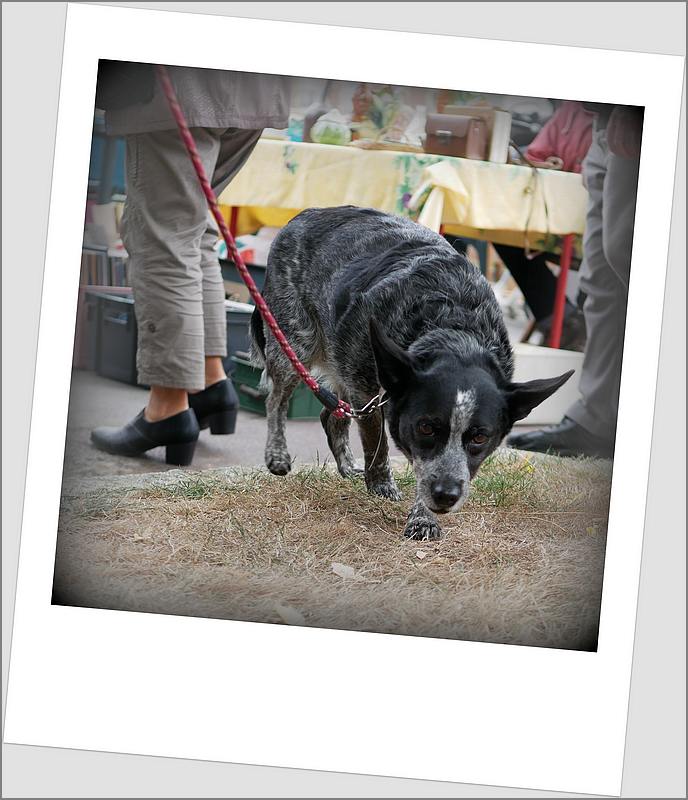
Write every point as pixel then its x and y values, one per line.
pixel 318 244
pixel 331 269
pixel 312 251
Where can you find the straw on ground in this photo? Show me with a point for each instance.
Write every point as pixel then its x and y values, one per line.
pixel 521 563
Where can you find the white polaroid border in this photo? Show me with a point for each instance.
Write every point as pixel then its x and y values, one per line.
pixel 322 699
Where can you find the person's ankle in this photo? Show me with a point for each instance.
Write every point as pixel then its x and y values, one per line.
pixel 214 370
pixel 164 403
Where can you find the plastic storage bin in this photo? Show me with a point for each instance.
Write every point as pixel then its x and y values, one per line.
pixel 107 335
pixel 86 332
pixel 246 378
pixel 238 326
pixel 116 338
pixel 234 285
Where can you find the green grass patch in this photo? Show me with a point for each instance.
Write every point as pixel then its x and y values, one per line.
pixel 192 487
pixel 503 481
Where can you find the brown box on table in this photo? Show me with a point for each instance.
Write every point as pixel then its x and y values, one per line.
pixel 456 135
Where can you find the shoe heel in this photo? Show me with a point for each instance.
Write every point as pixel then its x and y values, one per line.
pixel 181 455
pixel 223 422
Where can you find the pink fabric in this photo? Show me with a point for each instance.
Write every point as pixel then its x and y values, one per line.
pixel 566 134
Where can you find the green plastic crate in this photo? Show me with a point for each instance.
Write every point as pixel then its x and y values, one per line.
pixel 246 379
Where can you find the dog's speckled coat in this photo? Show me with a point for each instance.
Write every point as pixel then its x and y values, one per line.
pixel 366 300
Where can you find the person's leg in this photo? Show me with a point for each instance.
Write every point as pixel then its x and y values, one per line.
pixel 538 284
pixel 162 227
pixel 620 194
pixel 605 282
pixel 533 277
pixel 216 406
pixel 236 146
pixel 588 426
pixel 164 221
pixel 214 313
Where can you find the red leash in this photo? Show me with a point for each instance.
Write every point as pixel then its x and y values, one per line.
pixel 339 408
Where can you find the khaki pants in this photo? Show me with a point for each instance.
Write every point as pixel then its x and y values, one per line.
pixel 169 235
pixel 612 184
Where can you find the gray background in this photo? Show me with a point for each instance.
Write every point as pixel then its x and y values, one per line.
pixel 655 751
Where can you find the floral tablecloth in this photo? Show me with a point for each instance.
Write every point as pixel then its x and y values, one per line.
pixel 477 199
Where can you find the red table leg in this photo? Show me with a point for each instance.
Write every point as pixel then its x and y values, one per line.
pixel 560 295
pixel 233 217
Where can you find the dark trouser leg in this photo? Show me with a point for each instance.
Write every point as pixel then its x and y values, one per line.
pixel 534 278
pixel 612 187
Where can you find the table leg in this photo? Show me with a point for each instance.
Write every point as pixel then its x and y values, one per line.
pixel 560 294
pixel 233 218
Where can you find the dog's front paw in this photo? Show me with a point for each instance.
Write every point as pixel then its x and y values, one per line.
pixel 350 471
pixel 386 489
pixel 278 461
pixel 422 529
pixel 347 466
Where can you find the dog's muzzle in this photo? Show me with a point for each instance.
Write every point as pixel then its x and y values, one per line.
pixel 446 494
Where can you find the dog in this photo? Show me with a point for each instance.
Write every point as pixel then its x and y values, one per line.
pixel 370 300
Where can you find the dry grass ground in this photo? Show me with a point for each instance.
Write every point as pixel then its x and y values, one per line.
pixel 521 563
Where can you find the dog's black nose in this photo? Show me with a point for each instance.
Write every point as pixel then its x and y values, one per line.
pixel 446 493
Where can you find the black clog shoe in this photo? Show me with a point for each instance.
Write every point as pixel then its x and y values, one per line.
pixel 216 407
pixel 177 434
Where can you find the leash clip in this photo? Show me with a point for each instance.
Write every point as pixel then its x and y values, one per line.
pixel 371 406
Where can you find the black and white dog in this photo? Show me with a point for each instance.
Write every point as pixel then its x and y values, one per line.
pixel 370 300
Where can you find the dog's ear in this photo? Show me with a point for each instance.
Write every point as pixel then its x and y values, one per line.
pixel 522 398
pixel 394 365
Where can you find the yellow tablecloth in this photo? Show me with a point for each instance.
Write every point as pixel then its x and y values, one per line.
pixel 500 202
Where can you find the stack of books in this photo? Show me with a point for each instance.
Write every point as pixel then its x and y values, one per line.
pixel 103 266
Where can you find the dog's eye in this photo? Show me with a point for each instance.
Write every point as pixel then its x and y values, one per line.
pixel 479 438
pixel 425 428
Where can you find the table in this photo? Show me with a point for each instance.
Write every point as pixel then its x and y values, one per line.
pixel 503 203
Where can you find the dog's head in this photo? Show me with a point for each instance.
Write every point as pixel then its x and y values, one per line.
pixel 448 416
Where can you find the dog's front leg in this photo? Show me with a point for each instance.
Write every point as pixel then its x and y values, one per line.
pixel 337 431
pixel 421 523
pixel 378 472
